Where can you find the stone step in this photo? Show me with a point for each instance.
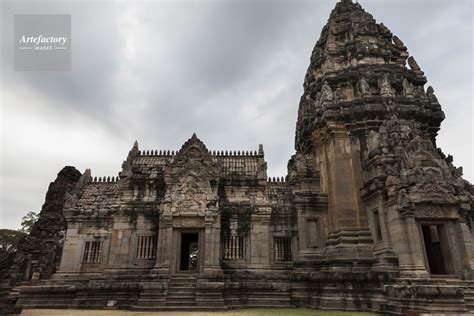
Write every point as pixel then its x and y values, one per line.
pixel 153 300
pixel 182 286
pixel 15 291
pixel 181 293
pixel 181 289
pixel 210 303
pixel 181 296
pixel 209 294
pixel 38 301
pixel 182 280
pixel 178 308
pixel 182 304
pixel 173 281
pixel 187 277
pixel 181 301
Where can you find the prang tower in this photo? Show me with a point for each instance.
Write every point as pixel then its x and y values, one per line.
pixel 366 137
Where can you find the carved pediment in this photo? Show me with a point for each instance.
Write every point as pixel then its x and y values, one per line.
pixel 435 211
pixel 426 172
pixel 193 147
pixel 191 179
pixel 422 159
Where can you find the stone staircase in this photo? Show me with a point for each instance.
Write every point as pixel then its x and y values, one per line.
pixel 182 291
pixel 8 299
pixel 179 293
pixel 469 296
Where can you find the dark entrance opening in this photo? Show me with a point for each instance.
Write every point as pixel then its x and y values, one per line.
pixel 437 248
pixel 189 252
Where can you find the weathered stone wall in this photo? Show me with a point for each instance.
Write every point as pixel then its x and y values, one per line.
pixel 41 250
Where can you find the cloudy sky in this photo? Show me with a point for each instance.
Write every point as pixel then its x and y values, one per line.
pixel 231 71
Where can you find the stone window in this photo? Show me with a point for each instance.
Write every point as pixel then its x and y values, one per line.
pixel 282 249
pixel 233 247
pixel 377 229
pixel 92 252
pixel 146 248
pixel 313 237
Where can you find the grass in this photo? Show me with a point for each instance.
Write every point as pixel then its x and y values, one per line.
pixel 242 312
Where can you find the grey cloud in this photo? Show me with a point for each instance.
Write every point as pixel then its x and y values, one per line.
pixel 87 88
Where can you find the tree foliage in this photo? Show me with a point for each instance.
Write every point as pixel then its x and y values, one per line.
pixel 28 221
pixel 9 239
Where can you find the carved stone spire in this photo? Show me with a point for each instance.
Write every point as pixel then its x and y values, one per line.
pixel 355 58
pixel 384 110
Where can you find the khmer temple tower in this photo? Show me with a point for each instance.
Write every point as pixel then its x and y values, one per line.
pixel 371 215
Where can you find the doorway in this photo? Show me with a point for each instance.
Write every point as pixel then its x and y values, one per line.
pixel 189 257
pixel 437 249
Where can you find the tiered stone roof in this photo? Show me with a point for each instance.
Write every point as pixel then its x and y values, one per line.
pixel 99 196
pixel 232 163
pixel 358 75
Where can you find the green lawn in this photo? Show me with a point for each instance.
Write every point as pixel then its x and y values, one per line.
pixel 242 312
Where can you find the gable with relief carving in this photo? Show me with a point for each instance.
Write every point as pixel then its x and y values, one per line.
pixel 189 178
pixel 425 170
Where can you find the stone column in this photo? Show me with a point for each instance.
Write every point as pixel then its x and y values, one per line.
pixel 417 267
pixel 343 185
pixel 467 246
pixel 212 243
pixel 71 254
pixel 165 239
pixel 260 240
pixel 210 283
pixel 301 221
pixel 341 169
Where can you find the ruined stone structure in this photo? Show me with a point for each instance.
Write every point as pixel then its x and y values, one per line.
pixel 40 252
pixel 371 216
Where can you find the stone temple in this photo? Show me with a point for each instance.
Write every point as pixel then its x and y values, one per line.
pixel 371 215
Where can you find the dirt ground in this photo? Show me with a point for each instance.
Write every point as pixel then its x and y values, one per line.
pixel 62 312
pixel 244 312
